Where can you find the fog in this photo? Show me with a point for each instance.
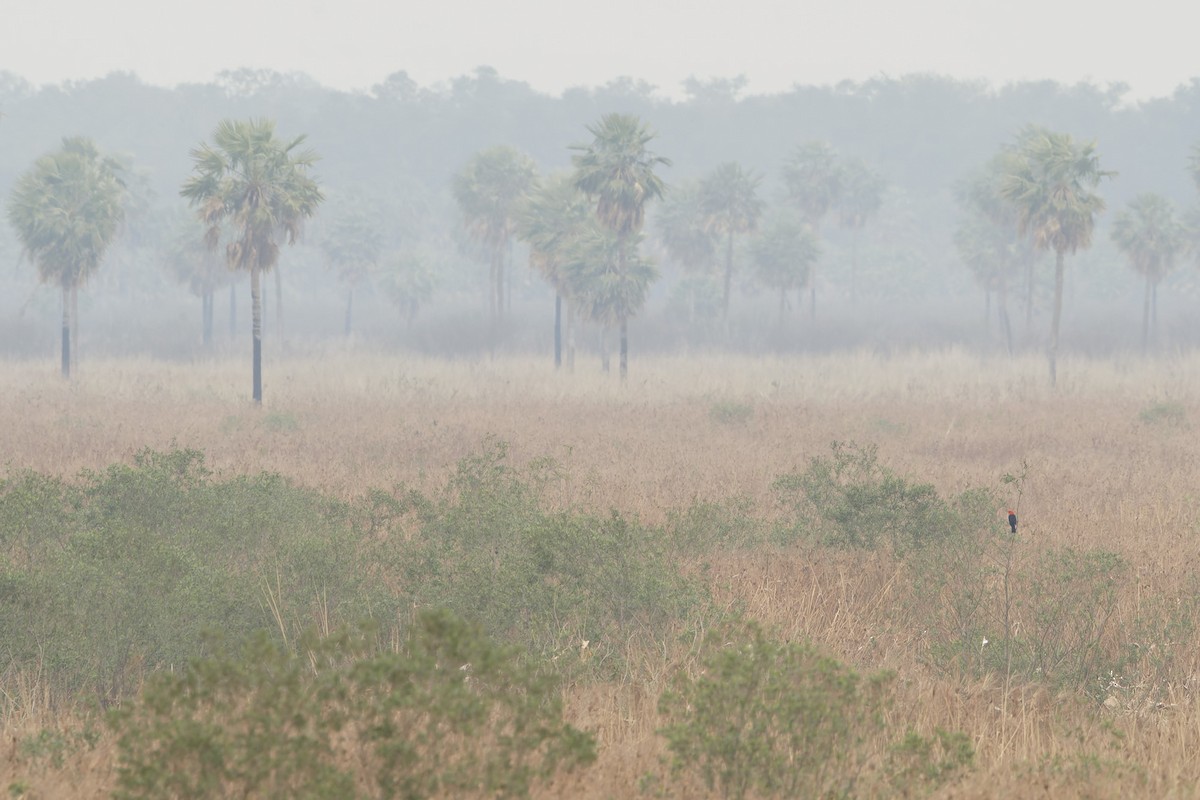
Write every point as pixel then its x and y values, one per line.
pixel 394 150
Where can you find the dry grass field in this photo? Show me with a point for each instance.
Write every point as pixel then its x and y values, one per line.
pixel 1113 459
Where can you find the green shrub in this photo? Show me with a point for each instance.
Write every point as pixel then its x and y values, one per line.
pixel 1166 413
pixel 848 499
pixel 487 550
pixel 730 412
pixel 450 714
pixel 764 718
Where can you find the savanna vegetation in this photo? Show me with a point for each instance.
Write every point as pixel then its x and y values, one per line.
pixel 777 578
pixel 422 558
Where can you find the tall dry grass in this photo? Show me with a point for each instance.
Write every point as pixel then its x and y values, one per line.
pixel 1105 471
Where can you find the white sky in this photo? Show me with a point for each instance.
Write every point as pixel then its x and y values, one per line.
pixel 553 44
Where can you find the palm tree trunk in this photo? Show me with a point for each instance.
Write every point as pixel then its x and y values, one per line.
pixel 624 348
pixel 987 310
pixel 279 303
pixel 728 281
pixel 349 310
pixel 1146 316
pixel 491 289
pixel 1058 298
pixel 782 305
pixel 256 314
pixel 604 360
pixel 557 330
pixel 232 310
pixel 570 337
pixel 1029 259
pixel 207 312
pixel 66 331
pixel 500 283
pixel 1002 304
pixel 854 264
pixel 75 326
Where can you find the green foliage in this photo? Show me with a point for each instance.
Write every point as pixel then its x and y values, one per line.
pixel 280 422
pixel 124 569
pixel 1166 413
pixel 449 713
pixel 730 412
pixel 848 499
pixel 919 764
pixel 550 581
pixel 764 718
pixel 716 525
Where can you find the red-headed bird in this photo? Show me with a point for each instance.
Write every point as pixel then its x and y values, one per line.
pixel 1012 520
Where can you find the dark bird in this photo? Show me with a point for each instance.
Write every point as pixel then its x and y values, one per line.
pixel 1012 520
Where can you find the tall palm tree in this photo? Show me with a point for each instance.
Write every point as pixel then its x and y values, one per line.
pixel 259 186
pixel 1050 183
pixel 489 191
pixel 731 205
pixel 66 211
pixel 1150 236
pixel 815 180
pixel 860 199
pixel 617 172
pixel 554 216
pixel 784 253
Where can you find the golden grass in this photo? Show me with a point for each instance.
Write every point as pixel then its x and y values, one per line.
pixel 346 421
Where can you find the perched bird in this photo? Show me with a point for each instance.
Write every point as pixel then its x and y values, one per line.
pixel 1012 520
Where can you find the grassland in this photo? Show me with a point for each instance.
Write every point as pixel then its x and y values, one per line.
pixel 1112 459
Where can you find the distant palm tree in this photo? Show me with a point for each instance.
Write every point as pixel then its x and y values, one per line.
pixel 617 172
pixel 260 187
pixel 815 181
pixel 553 218
pixel 352 245
pixel 66 211
pixel 198 267
pixel 731 205
pixel 784 253
pixel 679 228
pixel 489 191
pixel 988 240
pixel 606 281
pixel 1050 183
pixel 860 199
pixel 1148 233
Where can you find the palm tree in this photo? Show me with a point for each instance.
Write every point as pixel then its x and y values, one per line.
pixel 259 186
pixel 1050 183
pixel 680 229
pixel 617 172
pixel 352 246
pixel 66 211
pixel 489 191
pixel 988 240
pixel 730 203
pixel 860 199
pixel 553 217
pixel 814 180
pixel 784 254
pixel 1148 233
pixel 197 266
pixel 993 254
pixel 407 280
pixel 605 281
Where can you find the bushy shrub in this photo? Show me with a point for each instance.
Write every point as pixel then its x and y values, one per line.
pixel 764 718
pixel 449 714
pixel 849 499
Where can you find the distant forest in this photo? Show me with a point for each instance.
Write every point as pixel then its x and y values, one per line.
pixel 398 147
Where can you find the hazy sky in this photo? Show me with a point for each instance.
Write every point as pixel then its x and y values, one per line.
pixel 554 44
